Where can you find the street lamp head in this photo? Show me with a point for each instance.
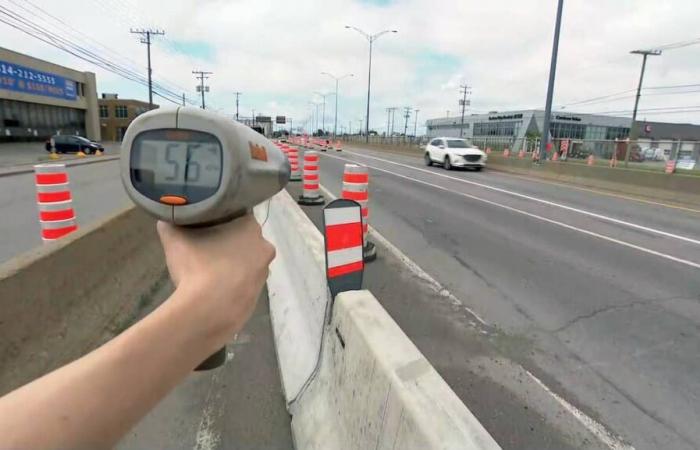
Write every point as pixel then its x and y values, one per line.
pixel 394 31
pixel 652 52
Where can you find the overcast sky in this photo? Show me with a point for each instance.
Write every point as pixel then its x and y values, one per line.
pixel 274 53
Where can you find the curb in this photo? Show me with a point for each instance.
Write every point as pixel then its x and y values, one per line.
pixel 29 168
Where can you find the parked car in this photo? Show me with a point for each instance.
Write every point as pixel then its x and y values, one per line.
pixel 73 144
pixel 653 154
pixel 454 153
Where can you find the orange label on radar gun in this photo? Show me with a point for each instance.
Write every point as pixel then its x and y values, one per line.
pixel 257 152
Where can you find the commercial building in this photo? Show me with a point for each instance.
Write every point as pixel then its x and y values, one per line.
pixel 516 125
pixel 39 99
pixel 117 114
pixel 583 133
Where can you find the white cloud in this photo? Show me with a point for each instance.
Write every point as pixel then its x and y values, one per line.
pixel 274 51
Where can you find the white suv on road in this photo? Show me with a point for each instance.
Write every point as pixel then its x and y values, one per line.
pixel 454 152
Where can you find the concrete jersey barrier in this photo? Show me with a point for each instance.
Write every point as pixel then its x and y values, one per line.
pixel 376 390
pixel 355 381
pixel 63 299
pixel 296 289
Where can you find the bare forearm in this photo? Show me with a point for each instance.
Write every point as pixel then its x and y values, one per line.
pixel 93 401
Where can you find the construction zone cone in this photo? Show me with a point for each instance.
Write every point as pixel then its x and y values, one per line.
pixel 488 150
pixel 521 153
pixel 591 160
pixel 506 153
pixel 613 161
pixel 355 187
pixel 310 194
pixel 293 156
pixel 338 146
pixel 555 156
pixel 56 214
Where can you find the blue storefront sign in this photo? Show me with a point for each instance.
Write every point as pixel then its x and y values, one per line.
pixel 18 78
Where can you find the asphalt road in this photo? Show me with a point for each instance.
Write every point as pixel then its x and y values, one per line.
pixel 592 302
pixel 25 153
pixel 238 406
pixel 97 191
pixel 597 296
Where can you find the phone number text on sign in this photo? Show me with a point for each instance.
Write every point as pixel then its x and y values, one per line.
pixel 18 78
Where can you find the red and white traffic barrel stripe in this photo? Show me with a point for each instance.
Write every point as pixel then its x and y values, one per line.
pixel 356 187
pixel 342 227
pixel 310 194
pixel 293 156
pixel 56 214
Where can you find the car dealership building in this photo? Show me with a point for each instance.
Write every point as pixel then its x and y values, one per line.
pixel 39 99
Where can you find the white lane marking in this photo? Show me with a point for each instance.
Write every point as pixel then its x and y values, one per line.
pixel 544 219
pixel 539 200
pixel 412 266
pixel 598 430
pixel 595 428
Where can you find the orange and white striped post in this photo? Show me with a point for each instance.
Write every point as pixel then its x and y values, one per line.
pixel 342 225
pixel 591 160
pixel 293 156
pixel 310 193
pixel 338 146
pixel 56 214
pixel 356 187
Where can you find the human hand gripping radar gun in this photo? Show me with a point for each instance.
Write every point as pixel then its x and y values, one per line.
pixel 194 168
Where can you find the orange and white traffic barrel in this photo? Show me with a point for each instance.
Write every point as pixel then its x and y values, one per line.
pixel 293 156
pixel 342 226
pixel 338 146
pixel 310 193
pixel 56 214
pixel 356 187
pixel 591 160
pixel 506 153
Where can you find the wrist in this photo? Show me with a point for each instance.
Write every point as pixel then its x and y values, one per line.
pixel 200 327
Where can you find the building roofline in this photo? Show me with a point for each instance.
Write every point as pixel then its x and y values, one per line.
pixel 52 66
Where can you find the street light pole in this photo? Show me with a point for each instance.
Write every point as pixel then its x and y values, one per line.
pixel 550 87
pixel 323 119
pixel 633 131
pixel 464 89
pixel 238 94
pixel 337 79
pixel 370 38
pixel 415 125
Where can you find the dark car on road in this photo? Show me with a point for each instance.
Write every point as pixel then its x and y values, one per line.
pixel 73 144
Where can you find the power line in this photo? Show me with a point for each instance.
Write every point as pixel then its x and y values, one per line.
pixel 55 39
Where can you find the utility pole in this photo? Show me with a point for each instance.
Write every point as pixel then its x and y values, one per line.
pixel 544 141
pixel 201 75
pixel 184 100
pixel 146 39
pixel 633 131
pixel 406 115
pixel 464 90
pixel 238 94
pixel 388 117
pixel 415 124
